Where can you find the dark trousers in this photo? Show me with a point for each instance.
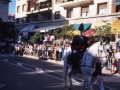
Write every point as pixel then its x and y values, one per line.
pixel 117 64
pixel 49 53
pixel 60 56
pixel 57 55
pixel 76 59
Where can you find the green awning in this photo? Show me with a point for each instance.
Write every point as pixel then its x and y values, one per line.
pixel 117 2
pixel 76 26
pixel 86 26
pixel 82 27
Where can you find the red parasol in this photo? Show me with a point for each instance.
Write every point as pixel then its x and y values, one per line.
pixel 88 33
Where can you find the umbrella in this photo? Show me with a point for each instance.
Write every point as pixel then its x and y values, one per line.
pixel 88 33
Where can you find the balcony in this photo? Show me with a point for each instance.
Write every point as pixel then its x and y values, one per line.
pixel 40 8
pixel 72 3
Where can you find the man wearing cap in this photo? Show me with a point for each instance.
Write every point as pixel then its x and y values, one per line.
pixel 78 46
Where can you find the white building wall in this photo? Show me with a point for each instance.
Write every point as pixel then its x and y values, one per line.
pixel 4 11
pixel 21 14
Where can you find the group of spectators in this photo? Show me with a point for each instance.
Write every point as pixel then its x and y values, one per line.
pixel 55 48
pixel 49 47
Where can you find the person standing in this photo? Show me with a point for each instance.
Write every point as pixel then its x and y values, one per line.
pixel 117 58
pixel 97 75
pixel 118 44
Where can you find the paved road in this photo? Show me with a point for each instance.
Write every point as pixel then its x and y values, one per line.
pixel 35 74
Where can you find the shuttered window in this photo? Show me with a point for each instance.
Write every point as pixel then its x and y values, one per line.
pixel 57 15
pixel 102 8
pixel 84 11
pixel 69 13
pixel 18 9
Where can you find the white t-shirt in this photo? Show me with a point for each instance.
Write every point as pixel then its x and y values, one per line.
pixel 60 49
pixel 118 55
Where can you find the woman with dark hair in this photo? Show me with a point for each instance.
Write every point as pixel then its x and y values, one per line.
pixel 117 58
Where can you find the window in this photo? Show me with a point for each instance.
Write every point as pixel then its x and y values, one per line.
pixel 17 21
pixel 18 9
pixel 23 20
pixel 118 8
pixel 57 15
pixel 24 8
pixel 102 8
pixel 69 13
pixel 58 1
pixel 84 11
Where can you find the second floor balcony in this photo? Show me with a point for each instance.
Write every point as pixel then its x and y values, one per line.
pixel 72 3
pixel 39 7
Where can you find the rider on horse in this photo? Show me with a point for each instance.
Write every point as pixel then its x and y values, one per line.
pixel 79 45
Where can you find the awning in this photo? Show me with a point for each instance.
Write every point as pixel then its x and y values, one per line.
pixel 97 25
pixel 117 2
pixel 84 27
pixel 28 28
pixel 41 1
pixel 116 25
pixel 46 29
pixel 76 26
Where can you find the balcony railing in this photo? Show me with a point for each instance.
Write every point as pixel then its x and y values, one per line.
pixel 72 3
pixel 65 1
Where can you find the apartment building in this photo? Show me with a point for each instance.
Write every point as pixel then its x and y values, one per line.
pixel 45 13
pixel 4 5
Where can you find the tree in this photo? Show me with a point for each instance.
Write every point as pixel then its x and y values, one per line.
pixel 104 30
pixel 65 30
pixel 35 37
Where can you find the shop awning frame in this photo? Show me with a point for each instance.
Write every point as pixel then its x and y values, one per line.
pixel 28 28
pixel 46 29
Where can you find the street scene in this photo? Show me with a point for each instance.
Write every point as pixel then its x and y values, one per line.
pixel 32 73
pixel 60 44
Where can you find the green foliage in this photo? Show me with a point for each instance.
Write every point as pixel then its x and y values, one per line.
pixel 104 30
pixel 35 37
pixel 65 30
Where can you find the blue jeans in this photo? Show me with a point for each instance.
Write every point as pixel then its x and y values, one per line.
pixel 99 80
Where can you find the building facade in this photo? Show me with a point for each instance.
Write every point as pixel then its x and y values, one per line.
pixel 45 13
pixel 4 5
pixel 11 18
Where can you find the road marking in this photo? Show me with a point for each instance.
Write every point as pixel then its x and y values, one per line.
pixel 6 60
pixel 2 85
pixel 19 64
pixel 40 70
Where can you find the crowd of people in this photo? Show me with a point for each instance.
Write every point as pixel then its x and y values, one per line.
pixel 55 48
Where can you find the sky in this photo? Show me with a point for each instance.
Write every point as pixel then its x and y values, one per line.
pixel 12 7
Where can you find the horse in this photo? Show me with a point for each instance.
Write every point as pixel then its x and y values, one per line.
pixel 98 51
pixel 18 50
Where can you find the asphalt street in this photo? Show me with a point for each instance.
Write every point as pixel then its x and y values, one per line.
pixel 41 74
